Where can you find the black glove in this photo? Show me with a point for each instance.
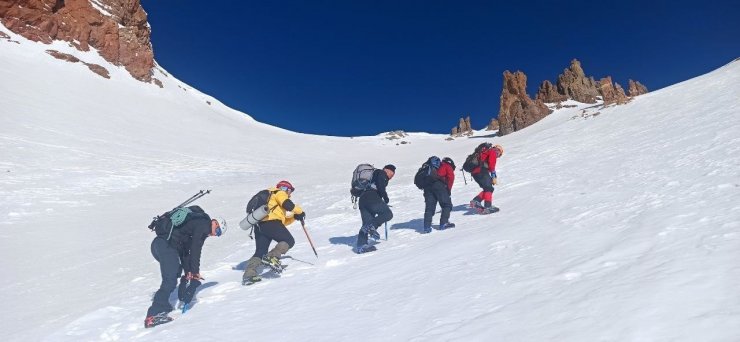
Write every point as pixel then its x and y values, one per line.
pixel 300 217
pixel 181 288
pixel 386 200
pixel 189 292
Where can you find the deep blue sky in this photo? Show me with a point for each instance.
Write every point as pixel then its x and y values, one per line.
pixel 363 67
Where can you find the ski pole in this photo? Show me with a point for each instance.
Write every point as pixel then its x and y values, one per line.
pixel 303 224
pixel 386 231
pixel 465 179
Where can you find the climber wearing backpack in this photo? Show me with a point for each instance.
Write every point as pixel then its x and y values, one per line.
pixel 281 213
pixel 438 190
pixel 484 173
pixel 374 210
pixel 177 252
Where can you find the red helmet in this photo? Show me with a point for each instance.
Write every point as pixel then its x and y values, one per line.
pixel 285 186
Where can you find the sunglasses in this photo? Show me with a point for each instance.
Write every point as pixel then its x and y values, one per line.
pixel 287 189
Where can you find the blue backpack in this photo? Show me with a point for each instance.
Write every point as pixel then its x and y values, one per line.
pixel 427 173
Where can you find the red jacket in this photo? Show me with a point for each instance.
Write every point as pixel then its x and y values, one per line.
pixel 489 158
pixel 446 174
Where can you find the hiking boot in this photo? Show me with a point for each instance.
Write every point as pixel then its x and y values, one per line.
pixel 365 248
pixel 446 225
pixel 160 318
pixel 273 263
pixel 427 230
pixel 475 204
pixel 251 280
pixel 371 231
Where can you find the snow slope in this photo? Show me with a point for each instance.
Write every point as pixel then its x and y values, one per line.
pixel 621 226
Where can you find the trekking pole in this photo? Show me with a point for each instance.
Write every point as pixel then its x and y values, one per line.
pixel 386 231
pixel 303 224
pixel 465 179
pixel 194 197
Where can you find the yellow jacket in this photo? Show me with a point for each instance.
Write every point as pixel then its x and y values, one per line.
pixel 276 205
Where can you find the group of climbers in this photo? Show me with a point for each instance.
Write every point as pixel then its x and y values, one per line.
pixel 270 211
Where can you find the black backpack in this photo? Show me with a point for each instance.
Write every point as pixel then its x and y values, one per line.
pixel 163 225
pixel 258 200
pixel 473 160
pixel 425 176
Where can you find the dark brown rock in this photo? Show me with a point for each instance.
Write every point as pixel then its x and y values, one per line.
pixel 120 32
pixel 636 88
pixel 611 93
pixel 574 84
pixel 517 109
pixel 548 93
pixel 159 83
pixel 63 56
pixel 98 69
pixel 463 128
pixel 492 126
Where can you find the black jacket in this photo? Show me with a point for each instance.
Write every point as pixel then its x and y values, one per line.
pixel 380 180
pixel 188 239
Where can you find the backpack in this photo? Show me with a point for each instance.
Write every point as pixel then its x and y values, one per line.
pixel 473 160
pixel 164 224
pixel 256 210
pixel 362 179
pixel 260 199
pixel 424 175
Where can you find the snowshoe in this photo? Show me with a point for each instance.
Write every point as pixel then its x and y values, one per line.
pixel 446 225
pixel 365 249
pixel 427 230
pixel 273 263
pixel 160 318
pixel 251 280
pixel 475 204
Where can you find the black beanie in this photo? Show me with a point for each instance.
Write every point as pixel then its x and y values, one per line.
pixel 390 167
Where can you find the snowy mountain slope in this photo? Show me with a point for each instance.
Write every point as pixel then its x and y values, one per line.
pixel 623 226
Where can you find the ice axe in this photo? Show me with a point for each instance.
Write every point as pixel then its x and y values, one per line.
pixel 303 224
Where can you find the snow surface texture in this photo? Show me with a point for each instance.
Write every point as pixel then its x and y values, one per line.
pixel 619 227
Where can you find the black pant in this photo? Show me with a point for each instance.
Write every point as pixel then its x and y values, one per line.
pixel 437 192
pixel 373 210
pixel 484 179
pixel 169 267
pixel 266 232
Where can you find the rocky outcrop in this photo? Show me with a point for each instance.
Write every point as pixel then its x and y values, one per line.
pixel 611 93
pixel 463 128
pixel 492 126
pixel 72 59
pixel 118 29
pixel 636 88
pixel 517 109
pixel 574 84
pixel 548 93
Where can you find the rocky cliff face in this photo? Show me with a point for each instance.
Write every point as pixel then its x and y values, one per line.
pixel 118 29
pixel 636 88
pixel 611 93
pixel 493 125
pixel 517 109
pixel 548 93
pixel 574 84
pixel 463 128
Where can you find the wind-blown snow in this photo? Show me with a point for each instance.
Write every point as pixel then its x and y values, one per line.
pixel 621 227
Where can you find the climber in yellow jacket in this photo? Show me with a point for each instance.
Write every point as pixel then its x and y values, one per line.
pixel 281 213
